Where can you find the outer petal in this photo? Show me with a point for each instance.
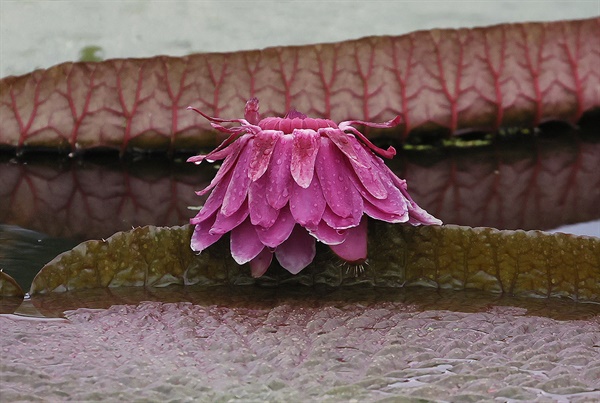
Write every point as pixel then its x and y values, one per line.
pixel 231 157
pixel 417 215
pixel 244 242
pixel 260 264
pixel 264 143
pixel 354 248
pixel 225 223
pixel 328 235
pixel 337 222
pixel 307 205
pixel 304 153
pixel 297 252
pixel 378 214
pixel 394 202
pixel 214 201
pixel 202 238
pixel 261 212
pixel 368 170
pixel 333 177
pixel 342 141
pixel 238 186
pixel 276 234
pixel 280 179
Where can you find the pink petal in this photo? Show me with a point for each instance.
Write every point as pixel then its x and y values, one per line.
pixel 394 202
pixel 251 113
pixel 277 233
pixel 307 205
pixel 261 212
pixel 390 152
pixel 264 143
pixel 329 236
pixel 304 153
pixel 340 194
pixel 202 238
pixel 233 151
pixel 342 141
pixel 337 222
pixel 297 252
pixel 245 244
pixel 368 171
pixel 280 179
pixel 417 215
pixel 260 264
pixel 238 186
pixel 225 223
pixel 378 214
pixel 354 248
pixel 214 201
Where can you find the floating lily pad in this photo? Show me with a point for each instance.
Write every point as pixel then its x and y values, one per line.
pixel 9 287
pixel 531 263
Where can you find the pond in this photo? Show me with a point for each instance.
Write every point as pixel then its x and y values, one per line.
pixel 287 343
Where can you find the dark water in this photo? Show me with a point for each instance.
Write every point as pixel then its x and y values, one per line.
pixel 50 203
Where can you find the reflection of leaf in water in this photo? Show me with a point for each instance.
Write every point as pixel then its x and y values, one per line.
pixel 9 287
pixel 531 263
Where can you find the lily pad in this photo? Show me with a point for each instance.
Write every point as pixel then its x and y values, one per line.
pixel 524 263
pixel 9 287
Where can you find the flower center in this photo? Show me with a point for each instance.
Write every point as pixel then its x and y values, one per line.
pixel 295 120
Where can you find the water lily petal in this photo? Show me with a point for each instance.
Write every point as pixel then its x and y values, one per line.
pixel 368 171
pixel 307 205
pixel 329 236
pixel 354 248
pixel 202 238
pixel 342 141
pixel 278 232
pixel 340 194
pixel 261 212
pixel 280 178
pixel 264 143
pixel 418 216
pixel 260 264
pixel 304 153
pixel 378 214
pixel 239 183
pixel 225 223
pixel 297 251
pixel 394 202
pixel 244 243
pixel 214 201
pixel 337 222
pixel 233 152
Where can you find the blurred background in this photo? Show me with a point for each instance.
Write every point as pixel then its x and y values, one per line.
pixel 39 34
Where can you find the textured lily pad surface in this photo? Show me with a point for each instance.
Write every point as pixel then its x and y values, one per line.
pixel 9 287
pixel 531 263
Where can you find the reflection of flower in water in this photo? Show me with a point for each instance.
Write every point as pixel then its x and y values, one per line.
pixel 286 181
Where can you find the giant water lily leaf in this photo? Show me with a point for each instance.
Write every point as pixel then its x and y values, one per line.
pixel 9 287
pixel 530 263
pixel 451 79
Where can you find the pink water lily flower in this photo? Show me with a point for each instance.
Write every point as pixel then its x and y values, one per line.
pixel 285 182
